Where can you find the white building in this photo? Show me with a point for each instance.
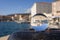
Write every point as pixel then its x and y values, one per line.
pixel 41 7
pixel 56 13
pixel 56 8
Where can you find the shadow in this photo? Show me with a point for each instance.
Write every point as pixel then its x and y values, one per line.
pixel 7 28
pixel 40 35
pixel 26 35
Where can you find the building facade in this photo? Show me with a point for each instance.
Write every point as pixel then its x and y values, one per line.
pixel 21 17
pixel 56 13
pixel 5 18
pixel 41 7
pixel 56 8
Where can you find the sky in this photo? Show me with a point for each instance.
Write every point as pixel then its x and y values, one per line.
pixel 17 6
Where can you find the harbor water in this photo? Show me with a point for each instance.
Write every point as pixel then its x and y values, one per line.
pixel 6 28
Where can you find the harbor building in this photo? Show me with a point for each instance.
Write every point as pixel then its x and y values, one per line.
pixel 18 17
pixel 56 8
pixel 5 18
pixel 41 7
pixel 56 13
pixel 21 17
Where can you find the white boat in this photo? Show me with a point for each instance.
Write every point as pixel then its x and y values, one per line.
pixel 18 21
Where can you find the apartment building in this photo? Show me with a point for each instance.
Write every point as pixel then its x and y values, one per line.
pixel 41 7
pixel 56 13
pixel 56 8
pixel 5 18
pixel 20 17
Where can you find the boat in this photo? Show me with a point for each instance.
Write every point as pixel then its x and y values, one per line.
pixel 17 21
pixel 20 21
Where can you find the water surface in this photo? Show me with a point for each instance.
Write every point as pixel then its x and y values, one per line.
pixel 7 28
